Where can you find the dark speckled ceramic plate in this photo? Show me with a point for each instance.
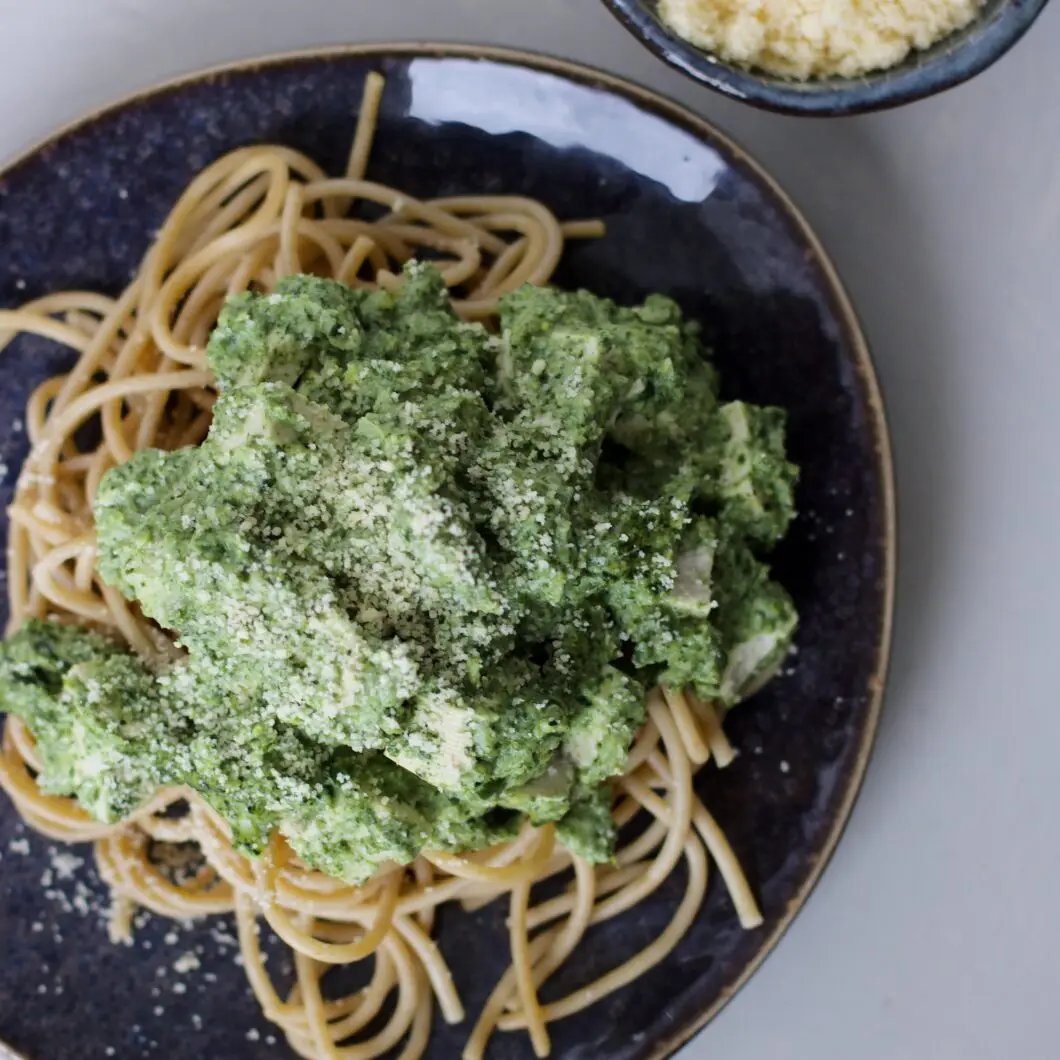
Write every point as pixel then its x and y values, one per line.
pixel 687 213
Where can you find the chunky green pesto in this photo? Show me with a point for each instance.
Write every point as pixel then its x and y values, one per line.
pixel 423 575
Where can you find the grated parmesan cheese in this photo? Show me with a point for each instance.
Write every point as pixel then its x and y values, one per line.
pixel 804 39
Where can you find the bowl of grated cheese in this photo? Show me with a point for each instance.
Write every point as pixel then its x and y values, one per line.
pixel 828 57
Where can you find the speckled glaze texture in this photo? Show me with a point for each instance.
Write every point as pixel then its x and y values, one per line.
pixel 948 63
pixel 687 214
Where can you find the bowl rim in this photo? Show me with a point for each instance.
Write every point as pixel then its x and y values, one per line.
pixel 881 90
pixel 861 359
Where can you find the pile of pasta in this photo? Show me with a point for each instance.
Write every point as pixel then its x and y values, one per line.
pixel 256 215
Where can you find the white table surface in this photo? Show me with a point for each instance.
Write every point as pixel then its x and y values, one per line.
pixel 935 933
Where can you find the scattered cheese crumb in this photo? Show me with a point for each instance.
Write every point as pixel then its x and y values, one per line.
pixel 186 962
pixel 66 864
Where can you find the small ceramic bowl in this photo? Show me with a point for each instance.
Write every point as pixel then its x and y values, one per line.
pixel 950 62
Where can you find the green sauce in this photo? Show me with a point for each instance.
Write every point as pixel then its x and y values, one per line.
pixel 423 575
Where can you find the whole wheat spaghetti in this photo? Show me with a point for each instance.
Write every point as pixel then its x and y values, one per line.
pixel 254 216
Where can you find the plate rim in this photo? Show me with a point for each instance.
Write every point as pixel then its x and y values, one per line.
pixel 683 117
